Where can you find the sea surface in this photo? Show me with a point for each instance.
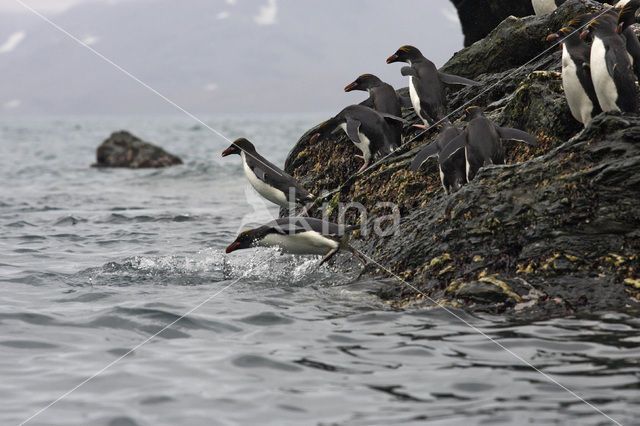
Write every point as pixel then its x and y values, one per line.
pixel 94 263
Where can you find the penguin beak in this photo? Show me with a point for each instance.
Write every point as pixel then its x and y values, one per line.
pixel 619 28
pixel 351 86
pixel 584 34
pixel 228 151
pixel 314 138
pixel 391 59
pixel 232 247
pixel 552 37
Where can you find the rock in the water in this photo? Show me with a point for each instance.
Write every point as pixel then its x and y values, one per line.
pixel 122 149
pixel 555 231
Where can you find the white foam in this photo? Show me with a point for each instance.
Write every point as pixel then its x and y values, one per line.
pixel 12 42
pixel 267 15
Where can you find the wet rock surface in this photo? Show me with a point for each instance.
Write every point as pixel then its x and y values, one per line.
pixel 122 149
pixel 554 232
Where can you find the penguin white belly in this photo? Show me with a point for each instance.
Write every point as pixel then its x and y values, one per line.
pixel 446 191
pixel 543 6
pixel 308 242
pixel 577 98
pixel 622 3
pixel 364 145
pixel 415 99
pixel 270 193
pixel 602 81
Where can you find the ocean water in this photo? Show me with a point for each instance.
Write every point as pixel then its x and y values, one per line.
pixel 95 262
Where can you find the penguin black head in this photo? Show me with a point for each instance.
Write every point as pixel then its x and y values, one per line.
pixel 248 238
pixel 406 53
pixel 238 146
pixel 604 25
pixel 364 82
pixel 627 14
pixel 472 112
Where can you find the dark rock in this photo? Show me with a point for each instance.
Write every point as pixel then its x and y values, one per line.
pixel 479 17
pixel 122 149
pixel 555 231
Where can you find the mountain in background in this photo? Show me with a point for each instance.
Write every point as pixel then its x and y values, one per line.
pixel 213 55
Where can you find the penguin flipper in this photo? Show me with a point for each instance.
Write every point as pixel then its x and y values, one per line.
pixel 405 102
pixel 456 144
pixel 409 72
pixel 390 118
pixel 260 173
pixel 456 80
pixel 353 130
pixel 516 135
pixel 427 152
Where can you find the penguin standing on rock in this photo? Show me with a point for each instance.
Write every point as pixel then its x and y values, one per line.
pixel 299 235
pixel 611 71
pixel 426 83
pixel 384 99
pixel 482 142
pixel 453 169
pixel 576 74
pixel 368 129
pixel 626 18
pixel 270 181
pixel 542 7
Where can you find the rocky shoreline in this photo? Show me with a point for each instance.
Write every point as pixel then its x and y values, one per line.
pixel 555 231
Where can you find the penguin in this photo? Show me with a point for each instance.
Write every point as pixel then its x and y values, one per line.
pixel 576 74
pixel 453 169
pixel 299 235
pixel 368 129
pixel 482 142
pixel 426 83
pixel 384 99
pixel 626 18
pixel 611 71
pixel 270 181
pixel 542 7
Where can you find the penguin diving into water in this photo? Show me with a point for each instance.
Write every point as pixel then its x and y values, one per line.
pixel 426 84
pixel 367 128
pixel 270 181
pixel 299 235
pixel 611 70
pixel 576 73
pixel 482 142
pixel 453 169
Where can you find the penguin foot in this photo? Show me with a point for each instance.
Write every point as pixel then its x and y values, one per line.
pixel 359 255
pixel 420 126
pixel 360 157
pixel 364 166
pixel 328 256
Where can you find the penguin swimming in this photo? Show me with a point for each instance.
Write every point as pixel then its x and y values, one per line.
pixel 368 129
pixel 576 74
pixel 270 181
pixel 299 235
pixel 542 7
pixel 482 142
pixel 426 83
pixel 384 99
pixel 453 169
pixel 611 71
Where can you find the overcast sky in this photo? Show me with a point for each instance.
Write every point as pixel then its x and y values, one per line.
pixel 210 55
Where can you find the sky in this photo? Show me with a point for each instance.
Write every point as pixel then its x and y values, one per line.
pixel 209 55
